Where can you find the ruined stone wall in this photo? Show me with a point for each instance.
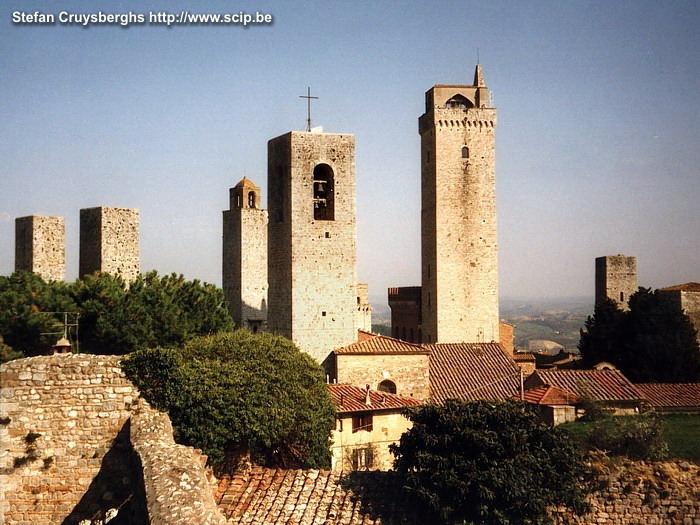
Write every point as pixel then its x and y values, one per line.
pixel 40 246
pixel 59 418
pixel 312 262
pixel 109 241
pixel 643 494
pixel 245 264
pixel 458 223
pixel 178 488
pixel 410 372
pixel 615 278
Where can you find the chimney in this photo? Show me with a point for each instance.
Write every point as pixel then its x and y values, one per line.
pixel 368 401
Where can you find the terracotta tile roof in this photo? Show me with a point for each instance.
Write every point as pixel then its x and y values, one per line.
pixel 549 395
pixel 679 395
pixel 380 344
pixel 524 357
pixel 601 385
pixel 350 398
pixel 275 497
pixel 469 371
pixel 687 287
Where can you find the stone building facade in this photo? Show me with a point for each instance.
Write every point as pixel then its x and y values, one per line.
pixel 245 257
pixel 406 313
pixel 311 240
pixel 458 217
pixel 615 278
pixel 687 297
pixel 40 246
pixel 109 242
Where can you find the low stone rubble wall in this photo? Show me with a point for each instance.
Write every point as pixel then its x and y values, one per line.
pixel 178 487
pixel 643 493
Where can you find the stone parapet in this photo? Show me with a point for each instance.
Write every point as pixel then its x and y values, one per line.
pixel 177 486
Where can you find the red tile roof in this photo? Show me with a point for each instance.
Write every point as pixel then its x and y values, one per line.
pixel 350 399
pixel 667 395
pixel 469 371
pixel 549 395
pixel 380 344
pixel 600 385
pixel 523 357
pixel 687 287
pixel 276 497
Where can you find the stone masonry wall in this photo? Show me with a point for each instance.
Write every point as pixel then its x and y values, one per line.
pixel 178 488
pixel 615 278
pixel 109 241
pixel 643 494
pixel 409 372
pixel 40 246
pixel 312 262
pixel 59 417
pixel 458 223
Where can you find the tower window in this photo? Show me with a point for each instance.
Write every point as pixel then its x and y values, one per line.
pixel 387 386
pixel 465 152
pixel 324 193
pixel 459 102
pixel 251 199
pixel 622 297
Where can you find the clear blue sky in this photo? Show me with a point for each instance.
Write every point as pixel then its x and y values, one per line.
pixel 597 141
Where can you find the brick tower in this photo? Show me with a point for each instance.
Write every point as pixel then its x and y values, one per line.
pixel 109 242
pixel 458 217
pixel 40 246
pixel 311 252
pixel 615 278
pixel 245 257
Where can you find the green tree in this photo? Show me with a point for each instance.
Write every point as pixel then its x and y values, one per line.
pixel 652 342
pixel 492 463
pixel 28 322
pixel 241 391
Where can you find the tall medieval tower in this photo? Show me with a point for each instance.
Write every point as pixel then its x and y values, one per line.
pixel 458 216
pixel 615 278
pixel 245 257
pixel 39 246
pixel 109 242
pixel 311 252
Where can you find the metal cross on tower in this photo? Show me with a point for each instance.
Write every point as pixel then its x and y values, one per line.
pixel 308 98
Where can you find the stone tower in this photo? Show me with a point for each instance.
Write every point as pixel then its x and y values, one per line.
pixel 311 251
pixel 458 216
pixel 40 246
pixel 615 278
pixel 245 257
pixel 109 241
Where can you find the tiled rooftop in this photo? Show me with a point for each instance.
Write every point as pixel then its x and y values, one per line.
pixel 679 395
pixel 469 371
pixel 687 287
pixel 350 399
pixel 275 497
pixel 600 385
pixel 380 344
pixel 549 395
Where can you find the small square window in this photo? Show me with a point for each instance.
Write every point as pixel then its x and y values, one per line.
pixel 323 314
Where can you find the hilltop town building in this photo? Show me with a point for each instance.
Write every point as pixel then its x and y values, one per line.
pixel 245 257
pixel 40 246
pixel 615 278
pixel 687 297
pixel 109 242
pixel 458 299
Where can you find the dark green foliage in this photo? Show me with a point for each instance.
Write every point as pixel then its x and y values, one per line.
pixel 486 462
pixel 25 324
pixel 653 342
pixel 113 318
pixel 241 391
pixel 640 437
